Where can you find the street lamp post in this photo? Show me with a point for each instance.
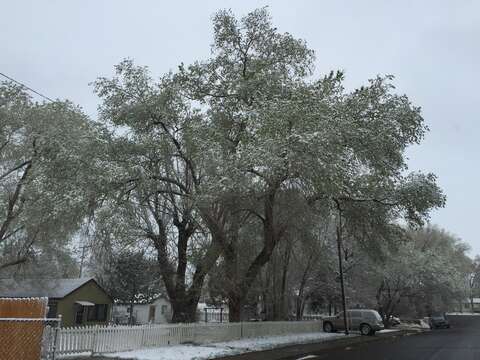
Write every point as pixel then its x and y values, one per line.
pixel 340 266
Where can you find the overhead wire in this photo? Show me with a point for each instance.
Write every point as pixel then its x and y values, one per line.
pixel 27 87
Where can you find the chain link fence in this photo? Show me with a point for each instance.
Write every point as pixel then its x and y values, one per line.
pixel 28 338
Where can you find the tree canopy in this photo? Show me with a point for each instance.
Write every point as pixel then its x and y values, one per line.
pixel 46 186
pixel 206 159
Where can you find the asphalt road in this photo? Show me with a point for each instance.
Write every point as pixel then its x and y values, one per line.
pixel 460 342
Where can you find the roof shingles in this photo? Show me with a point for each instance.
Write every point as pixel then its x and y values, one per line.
pixel 52 288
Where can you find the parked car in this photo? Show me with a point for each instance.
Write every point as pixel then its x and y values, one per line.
pixel 439 321
pixel 367 321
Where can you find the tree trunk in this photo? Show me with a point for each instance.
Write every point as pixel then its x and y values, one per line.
pixel 235 308
pixel 130 316
pixel 238 284
pixel 274 289
pixel 271 236
pixel 300 297
pixel 132 301
pixel 184 312
pixel 183 299
pixel 286 262
pixel 299 307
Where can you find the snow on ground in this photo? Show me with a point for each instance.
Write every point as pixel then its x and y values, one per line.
pixel 75 356
pixel 270 342
pixel 385 331
pixel 177 352
pixel 198 352
pixel 463 313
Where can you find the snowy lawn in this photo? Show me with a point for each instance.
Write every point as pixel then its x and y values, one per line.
pixel 209 351
pixel 463 313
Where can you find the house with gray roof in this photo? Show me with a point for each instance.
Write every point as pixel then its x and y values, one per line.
pixel 79 301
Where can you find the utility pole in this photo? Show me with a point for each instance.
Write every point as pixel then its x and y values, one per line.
pixel 82 259
pixel 83 248
pixel 340 265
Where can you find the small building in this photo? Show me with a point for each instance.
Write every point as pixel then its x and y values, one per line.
pixel 467 305
pixel 159 311
pixel 213 313
pixel 79 301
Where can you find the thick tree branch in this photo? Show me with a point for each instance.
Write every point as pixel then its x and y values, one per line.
pixel 13 201
pixel 15 168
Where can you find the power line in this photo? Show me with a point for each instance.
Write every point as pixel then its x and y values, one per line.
pixel 27 87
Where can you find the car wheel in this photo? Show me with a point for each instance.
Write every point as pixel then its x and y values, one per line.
pixel 328 327
pixel 365 329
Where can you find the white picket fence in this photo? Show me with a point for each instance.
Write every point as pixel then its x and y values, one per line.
pixel 314 316
pixel 103 339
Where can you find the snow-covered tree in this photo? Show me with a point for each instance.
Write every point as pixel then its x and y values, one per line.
pixel 131 277
pixel 156 177
pixel 45 188
pixel 207 158
pixel 271 129
pixel 418 274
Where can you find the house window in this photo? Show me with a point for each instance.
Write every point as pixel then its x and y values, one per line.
pixel 79 315
pixel 52 309
pixel 91 313
pixel 164 309
pixel 151 313
pixel 102 310
pixel 97 312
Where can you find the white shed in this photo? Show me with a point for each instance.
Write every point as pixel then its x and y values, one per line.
pixel 158 311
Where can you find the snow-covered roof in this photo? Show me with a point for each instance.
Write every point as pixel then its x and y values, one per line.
pixel 52 288
pixel 154 300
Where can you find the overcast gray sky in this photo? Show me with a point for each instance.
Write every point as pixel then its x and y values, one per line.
pixel 432 47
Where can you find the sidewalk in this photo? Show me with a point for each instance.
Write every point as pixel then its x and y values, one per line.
pixel 224 349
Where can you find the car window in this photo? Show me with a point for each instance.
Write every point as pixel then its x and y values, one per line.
pixel 355 313
pixel 376 315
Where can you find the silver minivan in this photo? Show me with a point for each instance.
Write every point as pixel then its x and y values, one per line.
pixel 365 320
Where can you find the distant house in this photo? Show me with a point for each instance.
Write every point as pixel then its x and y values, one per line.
pixel 467 305
pixel 78 301
pixel 158 311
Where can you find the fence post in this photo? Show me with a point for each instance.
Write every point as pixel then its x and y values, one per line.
pixel 206 317
pixel 143 337
pixel 54 346
pixel 55 336
pixel 94 340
